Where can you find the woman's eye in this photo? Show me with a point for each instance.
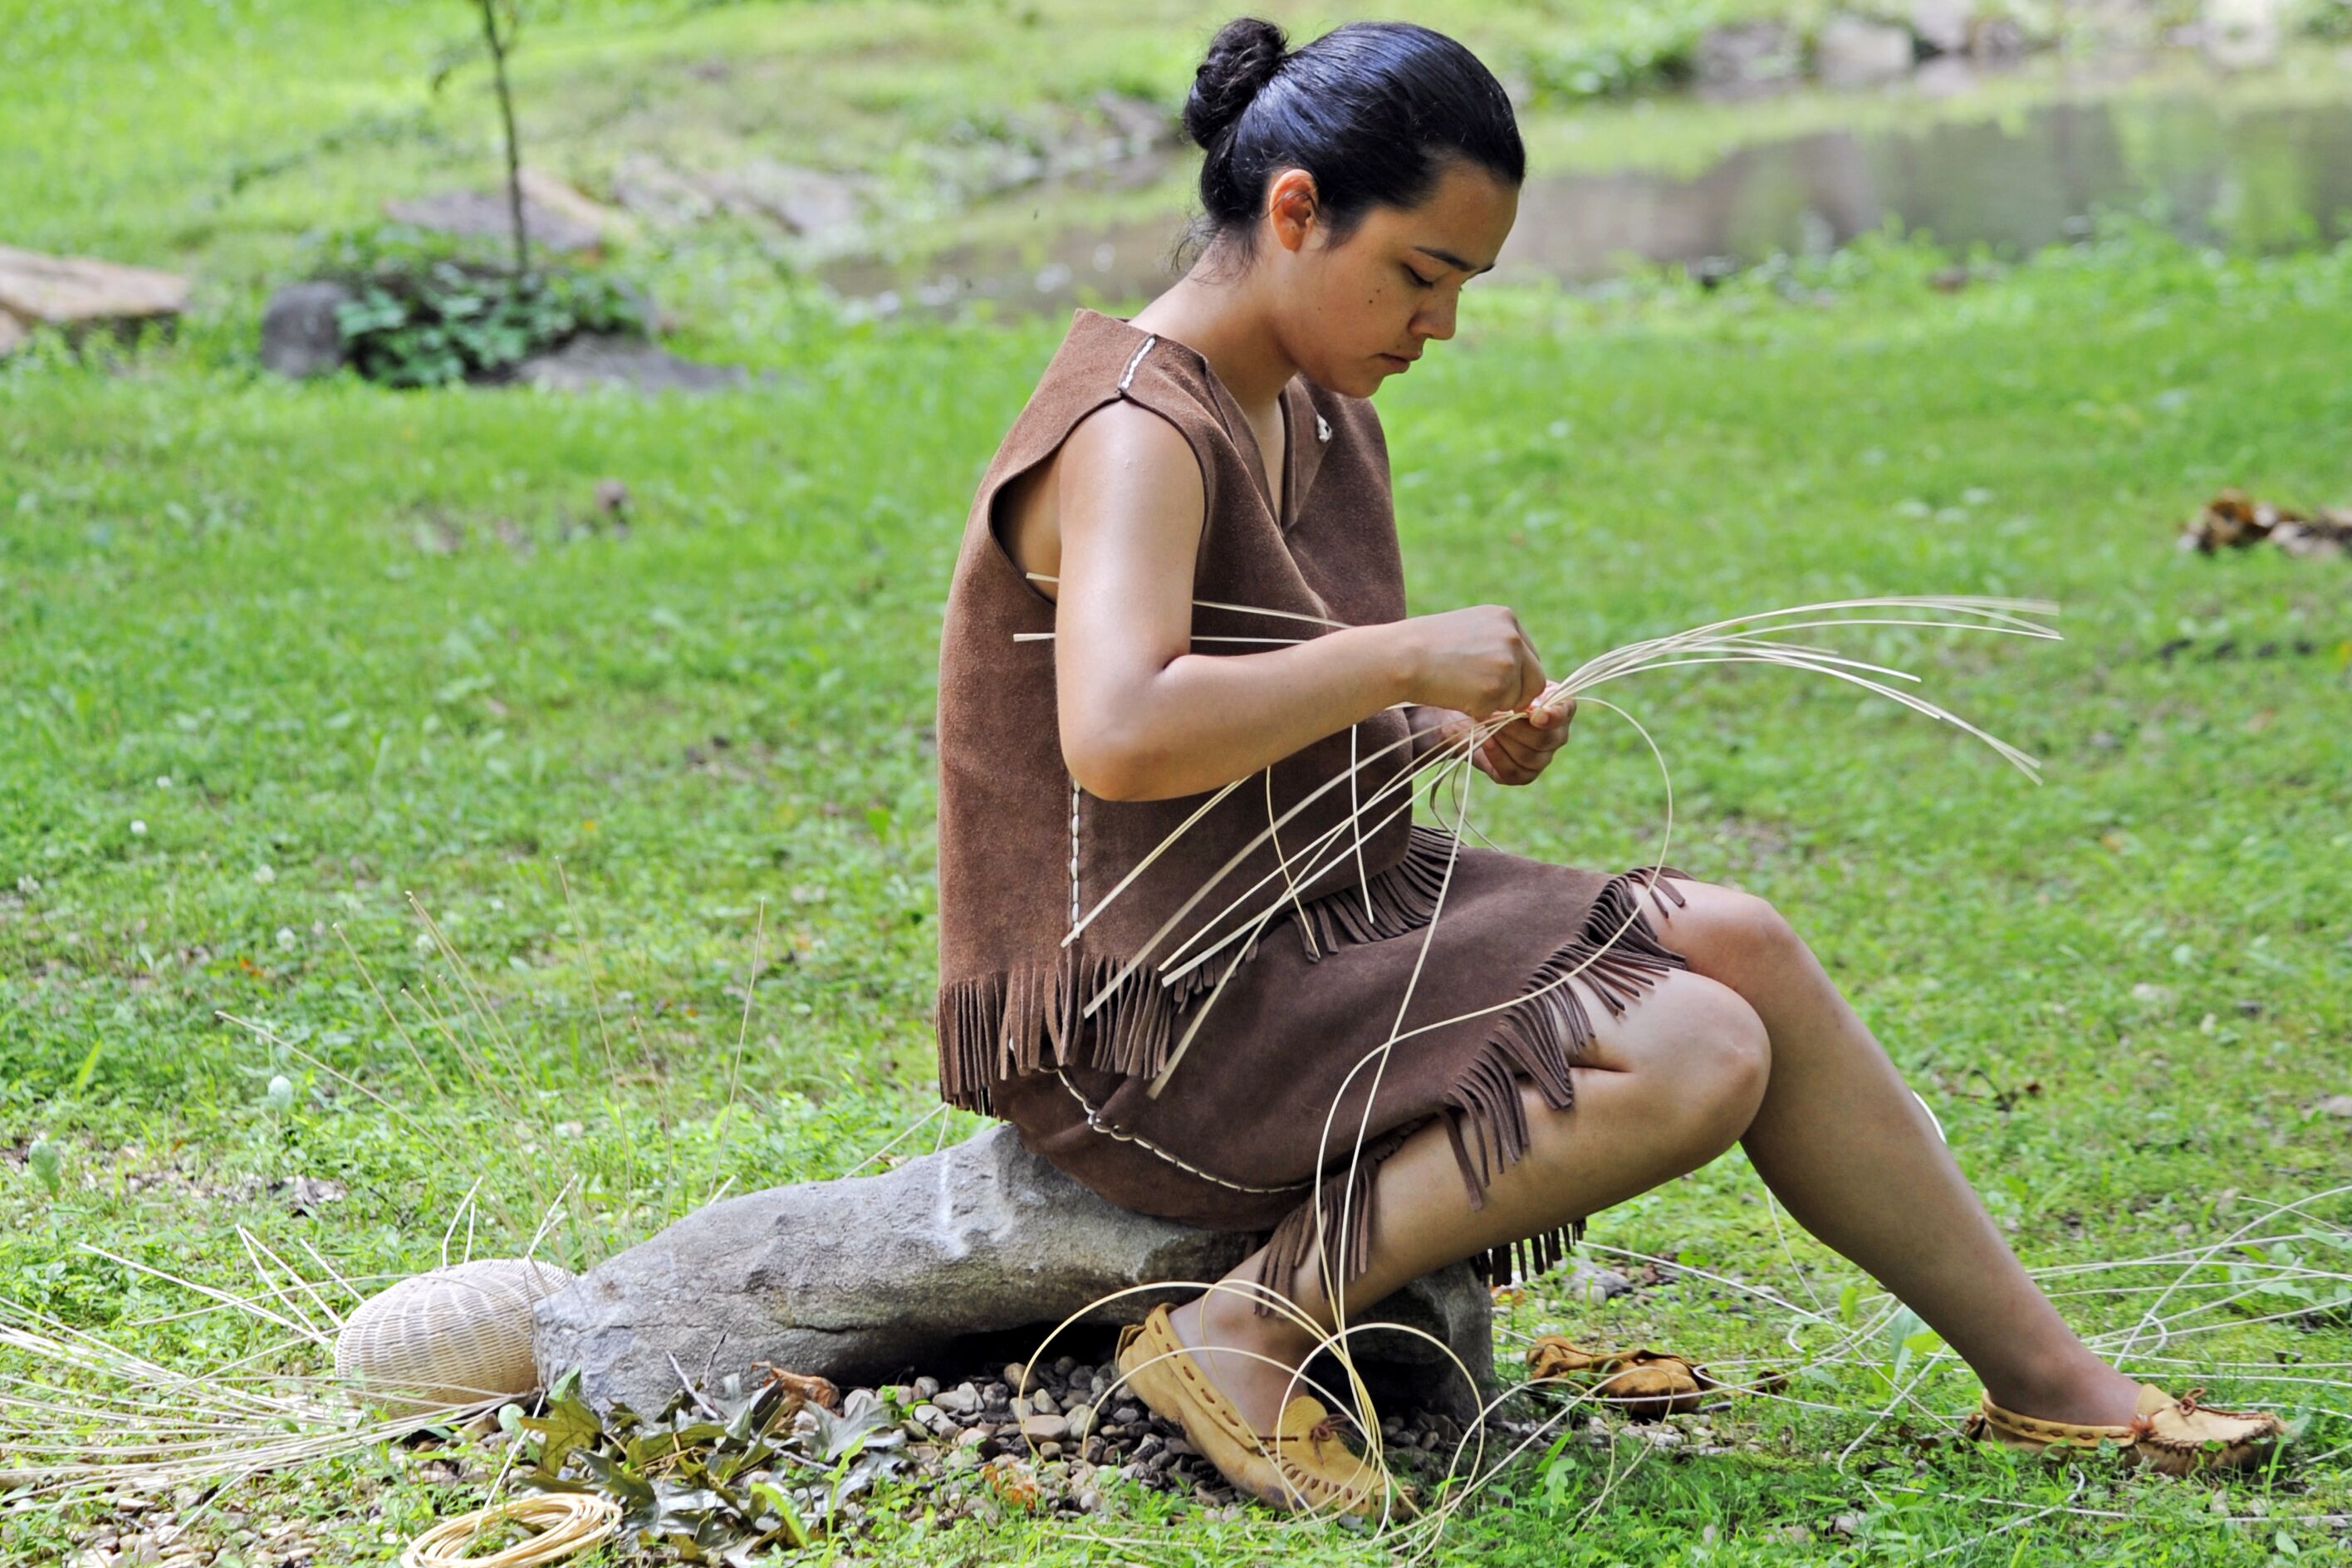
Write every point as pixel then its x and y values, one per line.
pixel 1424 282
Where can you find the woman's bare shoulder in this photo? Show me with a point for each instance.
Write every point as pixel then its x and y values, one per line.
pixel 1119 459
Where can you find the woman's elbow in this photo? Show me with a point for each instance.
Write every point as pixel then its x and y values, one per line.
pixel 1110 766
pixel 1106 777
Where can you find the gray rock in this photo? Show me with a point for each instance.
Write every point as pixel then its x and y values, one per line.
pixel 81 295
pixel 1587 1283
pixel 632 364
pixel 981 1243
pixel 1747 56
pixel 298 334
pixel 1944 27
pixel 488 213
pixel 802 201
pixel 1997 38
pixel 1852 52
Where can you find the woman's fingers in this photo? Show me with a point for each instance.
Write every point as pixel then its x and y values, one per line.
pixel 1523 748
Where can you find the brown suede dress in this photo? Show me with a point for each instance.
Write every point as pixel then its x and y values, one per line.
pixel 1074 998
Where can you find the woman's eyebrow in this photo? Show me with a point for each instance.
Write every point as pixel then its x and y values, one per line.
pixel 1451 260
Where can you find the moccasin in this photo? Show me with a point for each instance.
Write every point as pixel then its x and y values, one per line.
pixel 1302 1466
pixel 2174 1437
pixel 1644 1382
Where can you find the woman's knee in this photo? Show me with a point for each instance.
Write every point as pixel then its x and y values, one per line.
pixel 1697 1057
pixel 1720 1061
pixel 1724 933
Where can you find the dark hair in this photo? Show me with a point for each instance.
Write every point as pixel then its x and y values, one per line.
pixel 1373 110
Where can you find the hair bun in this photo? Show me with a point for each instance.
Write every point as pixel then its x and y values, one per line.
pixel 1242 59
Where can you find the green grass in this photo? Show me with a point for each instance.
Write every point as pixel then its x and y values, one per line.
pixel 382 644
pixel 377 644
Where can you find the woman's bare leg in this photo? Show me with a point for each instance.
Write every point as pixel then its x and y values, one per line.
pixel 1855 1159
pixel 1834 1133
pixel 1671 1086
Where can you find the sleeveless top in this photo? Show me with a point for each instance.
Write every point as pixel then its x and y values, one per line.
pixel 1026 856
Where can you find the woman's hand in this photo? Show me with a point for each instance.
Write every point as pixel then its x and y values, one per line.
pixel 1520 750
pixel 1476 662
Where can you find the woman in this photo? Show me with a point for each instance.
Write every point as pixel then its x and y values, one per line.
pixel 1179 574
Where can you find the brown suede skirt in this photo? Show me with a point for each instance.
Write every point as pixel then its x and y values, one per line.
pixel 1238 1138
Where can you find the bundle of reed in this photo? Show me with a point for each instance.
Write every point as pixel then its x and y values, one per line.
pixel 1763 638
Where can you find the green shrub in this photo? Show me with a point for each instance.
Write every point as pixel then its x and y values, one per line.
pixel 428 312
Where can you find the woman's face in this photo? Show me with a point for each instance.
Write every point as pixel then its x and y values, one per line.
pixel 1353 314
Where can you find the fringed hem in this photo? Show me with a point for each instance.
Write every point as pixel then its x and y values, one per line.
pixel 998 1025
pixel 1398 900
pixel 1617 958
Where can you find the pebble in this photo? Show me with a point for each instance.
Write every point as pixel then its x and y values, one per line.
pixel 1077 1427
pixel 1044 1428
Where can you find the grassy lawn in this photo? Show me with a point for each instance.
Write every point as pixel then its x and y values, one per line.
pixel 274 658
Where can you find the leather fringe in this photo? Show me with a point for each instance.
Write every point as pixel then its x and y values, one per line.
pixel 1404 899
pixel 998 1026
pixel 1540 1035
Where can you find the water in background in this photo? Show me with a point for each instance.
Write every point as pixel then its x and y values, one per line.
pixel 2258 178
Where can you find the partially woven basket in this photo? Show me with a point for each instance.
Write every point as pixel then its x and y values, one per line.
pixel 453 1336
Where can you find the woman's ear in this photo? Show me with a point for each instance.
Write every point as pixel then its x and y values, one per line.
pixel 1290 206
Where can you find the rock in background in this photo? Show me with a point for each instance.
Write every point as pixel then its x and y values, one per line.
pixel 976 1251
pixel 1741 57
pixel 554 214
pixel 81 295
pixel 300 335
pixel 1850 51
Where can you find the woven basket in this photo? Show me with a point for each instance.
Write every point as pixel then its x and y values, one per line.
pixel 454 1336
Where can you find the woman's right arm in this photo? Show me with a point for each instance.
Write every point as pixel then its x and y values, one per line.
pixel 1141 716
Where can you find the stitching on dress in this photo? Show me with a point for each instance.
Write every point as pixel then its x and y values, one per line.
pixel 1138 360
pixel 1094 1121
pixel 1074 854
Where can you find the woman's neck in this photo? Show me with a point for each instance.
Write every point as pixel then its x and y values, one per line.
pixel 1229 329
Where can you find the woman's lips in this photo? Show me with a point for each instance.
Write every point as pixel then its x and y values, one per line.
pixel 1399 361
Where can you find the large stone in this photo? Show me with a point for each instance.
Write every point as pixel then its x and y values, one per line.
pixel 1944 27
pixel 1747 56
pixel 801 202
pixel 574 206
pixel 477 213
pixel 1850 51
pixel 299 336
pixel 81 294
pixel 977 1251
